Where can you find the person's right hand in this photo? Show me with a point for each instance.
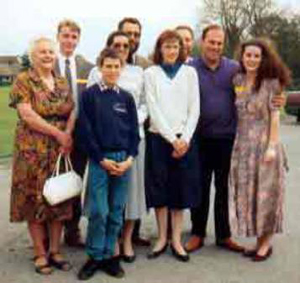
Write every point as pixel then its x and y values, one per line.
pixel 109 165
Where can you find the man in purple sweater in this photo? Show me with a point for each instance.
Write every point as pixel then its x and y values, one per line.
pixel 216 135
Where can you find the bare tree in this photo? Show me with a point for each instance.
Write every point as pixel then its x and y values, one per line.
pixel 236 17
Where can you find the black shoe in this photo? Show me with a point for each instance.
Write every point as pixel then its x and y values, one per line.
pixel 138 241
pixel 113 267
pixel 128 258
pixel 180 257
pixel 155 254
pixel 89 269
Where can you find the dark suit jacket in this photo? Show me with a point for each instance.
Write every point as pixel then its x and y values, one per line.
pixel 83 68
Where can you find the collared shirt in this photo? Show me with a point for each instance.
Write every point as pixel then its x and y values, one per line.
pixel 62 67
pixel 104 87
pixel 217 111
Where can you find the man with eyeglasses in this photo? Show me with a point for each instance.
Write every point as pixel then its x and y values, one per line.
pixel 133 28
pixel 75 68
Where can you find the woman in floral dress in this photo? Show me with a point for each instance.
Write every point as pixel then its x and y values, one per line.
pixel 44 107
pixel 258 160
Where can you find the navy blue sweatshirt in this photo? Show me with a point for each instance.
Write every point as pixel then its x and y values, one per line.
pixel 107 121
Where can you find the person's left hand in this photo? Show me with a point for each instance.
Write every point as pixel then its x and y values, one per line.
pixel 278 101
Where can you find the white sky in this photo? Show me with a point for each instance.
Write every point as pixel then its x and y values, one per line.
pixel 23 20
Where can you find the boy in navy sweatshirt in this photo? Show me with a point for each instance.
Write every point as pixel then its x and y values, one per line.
pixel 110 136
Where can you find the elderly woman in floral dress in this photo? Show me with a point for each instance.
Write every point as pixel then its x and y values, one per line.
pixel 44 105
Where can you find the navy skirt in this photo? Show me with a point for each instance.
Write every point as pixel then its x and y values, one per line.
pixel 171 182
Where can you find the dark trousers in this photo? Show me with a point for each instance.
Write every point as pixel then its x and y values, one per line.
pixel 214 156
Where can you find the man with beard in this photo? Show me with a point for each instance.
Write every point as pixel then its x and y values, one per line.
pixel 133 28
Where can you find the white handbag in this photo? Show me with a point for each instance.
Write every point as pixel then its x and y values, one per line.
pixel 61 187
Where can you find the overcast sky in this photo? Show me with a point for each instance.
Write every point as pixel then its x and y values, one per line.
pixel 24 20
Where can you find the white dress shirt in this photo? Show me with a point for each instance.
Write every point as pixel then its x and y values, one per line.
pixel 173 104
pixel 62 67
pixel 131 80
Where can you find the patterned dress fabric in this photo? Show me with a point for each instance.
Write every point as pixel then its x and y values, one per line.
pixel 35 153
pixel 256 187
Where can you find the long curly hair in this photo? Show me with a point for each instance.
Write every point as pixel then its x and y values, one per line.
pixel 271 67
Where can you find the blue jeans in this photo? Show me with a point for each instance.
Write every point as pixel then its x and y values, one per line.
pixel 106 202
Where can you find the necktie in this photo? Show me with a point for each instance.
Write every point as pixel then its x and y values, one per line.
pixel 68 74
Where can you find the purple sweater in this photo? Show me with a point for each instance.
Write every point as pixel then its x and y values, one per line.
pixel 217 112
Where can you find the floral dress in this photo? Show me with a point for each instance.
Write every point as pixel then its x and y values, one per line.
pixel 35 153
pixel 255 187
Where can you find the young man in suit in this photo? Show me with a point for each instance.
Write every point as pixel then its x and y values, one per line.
pixel 75 68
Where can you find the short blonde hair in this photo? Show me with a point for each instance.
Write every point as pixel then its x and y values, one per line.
pixel 33 45
pixel 70 24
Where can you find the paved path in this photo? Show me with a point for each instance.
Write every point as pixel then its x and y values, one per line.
pixel 210 265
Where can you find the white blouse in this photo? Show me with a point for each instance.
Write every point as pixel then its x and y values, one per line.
pixel 131 80
pixel 173 104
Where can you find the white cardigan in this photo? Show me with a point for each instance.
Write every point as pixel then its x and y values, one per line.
pixel 131 80
pixel 173 104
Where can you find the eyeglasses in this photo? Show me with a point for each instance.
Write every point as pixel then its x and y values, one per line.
pixel 119 45
pixel 134 34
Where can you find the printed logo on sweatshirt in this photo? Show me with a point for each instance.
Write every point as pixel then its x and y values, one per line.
pixel 120 107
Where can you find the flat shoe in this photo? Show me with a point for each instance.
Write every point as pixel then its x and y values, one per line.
pixel 180 257
pixel 258 258
pixel 156 254
pixel 129 258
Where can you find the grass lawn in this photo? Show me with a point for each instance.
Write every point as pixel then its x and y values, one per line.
pixel 8 117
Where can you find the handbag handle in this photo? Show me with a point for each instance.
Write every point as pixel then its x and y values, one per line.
pixel 68 165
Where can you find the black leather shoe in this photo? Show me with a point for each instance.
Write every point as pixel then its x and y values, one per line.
pixel 89 269
pixel 180 257
pixel 128 258
pixel 156 254
pixel 113 267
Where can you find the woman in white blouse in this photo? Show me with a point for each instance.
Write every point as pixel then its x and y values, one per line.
pixel 172 95
pixel 131 80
